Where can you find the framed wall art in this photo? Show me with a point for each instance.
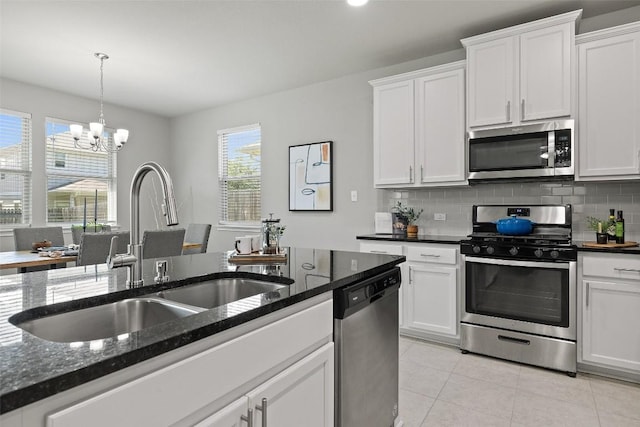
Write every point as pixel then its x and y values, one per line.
pixel 311 177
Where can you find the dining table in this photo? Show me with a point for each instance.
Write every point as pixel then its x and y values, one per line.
pixel 19 259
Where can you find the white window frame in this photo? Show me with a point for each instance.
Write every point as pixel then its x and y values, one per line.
pixel 223 223
pixel 26 170
pixel 112 178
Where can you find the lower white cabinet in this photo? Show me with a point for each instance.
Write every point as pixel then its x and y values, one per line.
pixel 429 302
pixel 289 362
pixel 431 294
pixel 301 395
pixel 610 302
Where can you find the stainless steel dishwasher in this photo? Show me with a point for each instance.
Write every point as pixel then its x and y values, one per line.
pixel 365 330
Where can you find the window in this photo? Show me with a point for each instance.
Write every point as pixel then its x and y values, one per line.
pixel 15 168
pixel 239 175
pixel 81 184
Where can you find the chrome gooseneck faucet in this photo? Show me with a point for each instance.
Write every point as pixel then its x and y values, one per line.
pixel 133 258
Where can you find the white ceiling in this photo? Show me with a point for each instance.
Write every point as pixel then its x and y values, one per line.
pixel 176 57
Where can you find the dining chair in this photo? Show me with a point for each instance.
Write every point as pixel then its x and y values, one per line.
pixel 24 239
pixel 76 232
pixel 197 233
pixel 162 243
pixel 94 247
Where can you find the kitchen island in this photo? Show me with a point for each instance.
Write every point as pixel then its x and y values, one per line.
pixel 34 369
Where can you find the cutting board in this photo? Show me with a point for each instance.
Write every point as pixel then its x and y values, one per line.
pixel 609 245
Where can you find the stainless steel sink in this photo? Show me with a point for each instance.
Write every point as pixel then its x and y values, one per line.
pixel 107 320
pixel 217 292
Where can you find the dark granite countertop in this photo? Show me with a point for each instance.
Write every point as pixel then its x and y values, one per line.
pixel 629 251
pixel 422 238
pixel 32 368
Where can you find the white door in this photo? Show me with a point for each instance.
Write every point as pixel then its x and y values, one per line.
pixel 611 320
pixel 490 77
pixel 545 73
pixel 440 130
pixel 609 107
pixel 229 416
pixel 432 299
pixel 393 134
pixel 301 395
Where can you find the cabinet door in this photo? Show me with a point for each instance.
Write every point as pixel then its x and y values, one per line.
pixel 440 130
pixel 393 133
pixel 229 416
pixel 609 107
pixel 432 299
pixel 545 73
pixel 301 395
pixel 490 68
pixel 610 318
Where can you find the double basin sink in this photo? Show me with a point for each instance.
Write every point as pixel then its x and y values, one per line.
pixel 140 312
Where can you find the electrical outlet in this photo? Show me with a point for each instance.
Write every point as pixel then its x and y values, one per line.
pixel 354 265
pixel 354 196
pixel 440 216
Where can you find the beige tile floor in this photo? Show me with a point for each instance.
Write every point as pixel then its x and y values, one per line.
pixel 439 386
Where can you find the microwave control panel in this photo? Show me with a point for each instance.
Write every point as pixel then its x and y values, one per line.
pixel 563 148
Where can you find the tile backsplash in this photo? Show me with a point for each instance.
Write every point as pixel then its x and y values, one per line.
pixel 586 199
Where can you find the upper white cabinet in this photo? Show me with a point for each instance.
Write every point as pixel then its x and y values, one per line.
pixel 522 73
pixel 418 128
pixel 609 104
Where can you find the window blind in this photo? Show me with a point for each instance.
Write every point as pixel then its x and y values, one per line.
pixel 239 167
pixel 81 184
pixel 15 168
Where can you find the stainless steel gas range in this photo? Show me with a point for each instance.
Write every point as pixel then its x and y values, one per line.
pixel 520 291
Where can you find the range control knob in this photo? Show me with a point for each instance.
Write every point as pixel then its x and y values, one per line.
pixel 490 250
pixel 513 251
pixel 554 254
pixel 476 249
pixel 538 253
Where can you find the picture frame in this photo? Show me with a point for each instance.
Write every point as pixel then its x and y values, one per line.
pixel 311 177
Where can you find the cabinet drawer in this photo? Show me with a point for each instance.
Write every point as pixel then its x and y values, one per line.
pixel 611 265
pixel 439 255
pixel 381 248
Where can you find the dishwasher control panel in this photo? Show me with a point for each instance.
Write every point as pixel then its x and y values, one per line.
pixel 351 298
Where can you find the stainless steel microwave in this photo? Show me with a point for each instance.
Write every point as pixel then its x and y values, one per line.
pixel 530 151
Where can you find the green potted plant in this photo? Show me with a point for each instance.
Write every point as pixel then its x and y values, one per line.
pixel 601 228
pixel 405 218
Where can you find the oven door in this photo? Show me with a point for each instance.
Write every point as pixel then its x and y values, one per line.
pixel 527 296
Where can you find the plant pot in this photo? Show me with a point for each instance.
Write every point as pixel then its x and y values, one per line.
pixel 412 230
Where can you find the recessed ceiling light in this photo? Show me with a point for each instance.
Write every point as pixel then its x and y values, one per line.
pixel 357 2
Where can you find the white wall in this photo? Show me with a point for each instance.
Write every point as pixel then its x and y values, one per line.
pixel 148 140
pixel 338 110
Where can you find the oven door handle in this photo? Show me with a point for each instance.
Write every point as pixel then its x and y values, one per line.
pixel 562 265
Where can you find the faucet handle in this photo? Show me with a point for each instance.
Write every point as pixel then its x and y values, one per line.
pixel 112 251
pixel 119 260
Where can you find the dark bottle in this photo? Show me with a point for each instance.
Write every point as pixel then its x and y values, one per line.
pixel 611 226
pixel 619 228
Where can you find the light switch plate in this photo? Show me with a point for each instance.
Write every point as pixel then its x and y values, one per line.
pixel 440 216
pixel 354 196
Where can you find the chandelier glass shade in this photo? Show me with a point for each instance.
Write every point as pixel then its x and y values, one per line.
pixel 97 140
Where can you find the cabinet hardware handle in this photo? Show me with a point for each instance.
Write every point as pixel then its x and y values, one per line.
pixel 522 110
pixel 587 291
pixel 410 173
pixel 508 111
pixel 430 255
pixel 248 418
pixel 263 408
pixel 634 270
pixel 421 174
pixel 379 252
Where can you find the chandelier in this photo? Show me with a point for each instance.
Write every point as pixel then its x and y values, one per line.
pixel 97 139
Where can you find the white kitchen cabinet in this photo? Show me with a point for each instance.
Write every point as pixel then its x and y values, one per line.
pixel 431 293
pixel 419 130
pixel 610 311
pixel 609 104
pixel 390 249
pixel 300 395
pixel 393 133
pixel 196 387
pixel 522 73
